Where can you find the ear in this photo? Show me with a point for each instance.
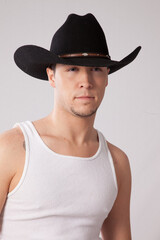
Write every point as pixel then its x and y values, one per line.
pixel 51 77
pixel 108 70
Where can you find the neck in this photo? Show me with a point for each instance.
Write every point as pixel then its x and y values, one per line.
pixel 75 129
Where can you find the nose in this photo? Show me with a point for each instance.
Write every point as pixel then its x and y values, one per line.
pixel 86 79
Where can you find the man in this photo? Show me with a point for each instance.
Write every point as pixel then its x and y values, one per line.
pixel 59 177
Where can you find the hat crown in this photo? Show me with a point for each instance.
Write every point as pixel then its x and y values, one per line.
pixel 79 34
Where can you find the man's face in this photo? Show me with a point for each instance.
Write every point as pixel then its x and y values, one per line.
pixel 73 82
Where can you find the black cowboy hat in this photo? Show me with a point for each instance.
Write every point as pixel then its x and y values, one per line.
pixel 79 41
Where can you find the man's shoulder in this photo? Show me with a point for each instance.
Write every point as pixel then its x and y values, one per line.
pixel 121 163
pixel 117 152
pixel 11 134
pixel 12 154
pixel 10 140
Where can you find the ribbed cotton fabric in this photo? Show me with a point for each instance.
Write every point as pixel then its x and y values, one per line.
pixel 59 197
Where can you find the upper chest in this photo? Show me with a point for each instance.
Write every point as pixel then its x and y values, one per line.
pixel 60 147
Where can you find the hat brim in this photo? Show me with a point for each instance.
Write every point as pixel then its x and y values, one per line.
pixel 34 60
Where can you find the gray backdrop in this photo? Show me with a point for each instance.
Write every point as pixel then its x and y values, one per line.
pixel 129 114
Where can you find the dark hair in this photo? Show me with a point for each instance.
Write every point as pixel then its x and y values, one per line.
pixel 52 66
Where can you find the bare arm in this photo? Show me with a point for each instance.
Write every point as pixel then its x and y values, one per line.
pixel 7 163
pixel 117 225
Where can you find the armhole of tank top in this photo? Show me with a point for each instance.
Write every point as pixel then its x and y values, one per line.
pixel 21 180
pixel 112 166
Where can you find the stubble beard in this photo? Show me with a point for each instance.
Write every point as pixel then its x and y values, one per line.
pixel 83 114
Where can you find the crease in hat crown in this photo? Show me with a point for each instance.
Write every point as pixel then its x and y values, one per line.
pixel 79 34
pixel 79 41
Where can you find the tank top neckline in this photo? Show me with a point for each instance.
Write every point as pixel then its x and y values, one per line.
pixel 67 156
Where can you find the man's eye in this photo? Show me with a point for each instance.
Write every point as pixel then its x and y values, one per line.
pixel 73 69
pixel 97 69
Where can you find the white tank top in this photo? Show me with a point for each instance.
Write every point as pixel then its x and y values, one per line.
pixel 59 196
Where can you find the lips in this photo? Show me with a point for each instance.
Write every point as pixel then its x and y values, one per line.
pixel 85 97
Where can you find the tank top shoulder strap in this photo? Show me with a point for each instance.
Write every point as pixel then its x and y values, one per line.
pixel 110 158
pixel 102 140
pixel 26 130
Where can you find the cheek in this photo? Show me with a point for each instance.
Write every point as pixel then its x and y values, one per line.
pixel 101 80
pixel 101 84
pixel 66 94
pixel 61 87
pixel 101 91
